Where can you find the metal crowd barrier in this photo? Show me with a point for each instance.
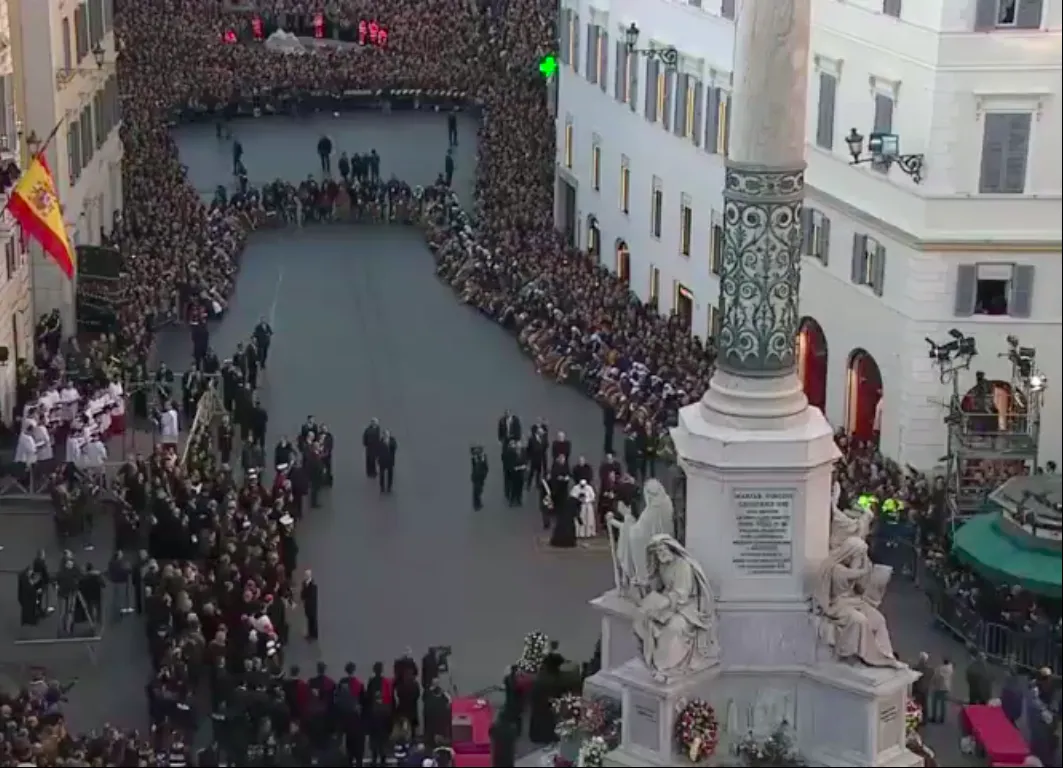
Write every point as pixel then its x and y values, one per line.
pixel 1030 650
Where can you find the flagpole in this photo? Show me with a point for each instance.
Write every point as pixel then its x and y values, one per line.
pixel 36 155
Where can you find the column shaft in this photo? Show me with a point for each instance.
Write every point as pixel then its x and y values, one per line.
pixel 764 190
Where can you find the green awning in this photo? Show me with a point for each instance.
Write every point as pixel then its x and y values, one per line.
pixel 1004 555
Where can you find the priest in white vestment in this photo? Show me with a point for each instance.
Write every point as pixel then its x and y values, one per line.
pixel 587 521
pixel 169 426
pixel 26 450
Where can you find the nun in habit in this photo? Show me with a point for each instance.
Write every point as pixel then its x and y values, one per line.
pixel 587 515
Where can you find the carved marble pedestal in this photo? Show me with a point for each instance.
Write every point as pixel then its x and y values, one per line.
pixel 650 709
pixel 619 644
pixel 855 716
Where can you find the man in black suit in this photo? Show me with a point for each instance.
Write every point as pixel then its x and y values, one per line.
pixel 371 444
pixel 263 335
pixel 308 597
pixel 509 429
pixel 389 446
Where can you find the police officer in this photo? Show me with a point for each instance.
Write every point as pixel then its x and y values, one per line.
pixel 479 475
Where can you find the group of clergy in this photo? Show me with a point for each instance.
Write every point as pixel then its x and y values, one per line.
pixel 82 423
pixel 570 500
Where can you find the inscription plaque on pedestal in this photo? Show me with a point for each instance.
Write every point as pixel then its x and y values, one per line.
pixel 763 544
pixel 643 719
pixel 891 724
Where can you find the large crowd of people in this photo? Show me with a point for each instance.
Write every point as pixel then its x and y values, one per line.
pixel 215 574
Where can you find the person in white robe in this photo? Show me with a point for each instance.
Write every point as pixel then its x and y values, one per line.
pixel 117 409
pixel 69 397
pixel 75 446
pixel 94 455
pixel 169 426
pixel 26 449
pixel 587 521
pixel 42 438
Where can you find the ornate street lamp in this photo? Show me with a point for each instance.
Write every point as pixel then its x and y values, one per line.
pixel 884 149
pixel 99 54
pixel 668 56
pixel 33 143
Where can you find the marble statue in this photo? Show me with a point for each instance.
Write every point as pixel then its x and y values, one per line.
pixel 848 523
pixel 676 619
pixel 634 535
pixel 848 590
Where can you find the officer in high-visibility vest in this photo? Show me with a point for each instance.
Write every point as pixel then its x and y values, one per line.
pixel 891 511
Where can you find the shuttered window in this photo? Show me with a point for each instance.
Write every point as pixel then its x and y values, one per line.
pixel 81 33
pixel 565 35
pixel 573 42
pixel 8 122
pixel 1005 153
pixel 727 9
pixel 73 149
pixel 828 89
pixel 1008 14
pixel 592 54
pixel 717 122
pixel 683 106
pixel 99 119
pixel 603 59
pixel 68 52
pixel 633 82
pixel 666 78
pixel 88 146
pixel 869 263
pixel 815 235
pixel 697 91
pixel 994 289
pixel 883 124
pixel 652 84
pixel 96 31
pixel 892 8
pixel 620 86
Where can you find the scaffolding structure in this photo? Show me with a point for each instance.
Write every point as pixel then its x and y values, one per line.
pixel 984 444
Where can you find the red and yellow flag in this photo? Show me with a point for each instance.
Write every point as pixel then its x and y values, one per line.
pixel 35 205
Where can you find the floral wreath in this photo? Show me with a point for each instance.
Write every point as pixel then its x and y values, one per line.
pixel 697 731
pixel 913 717
pixel 531 658
pixel 569 710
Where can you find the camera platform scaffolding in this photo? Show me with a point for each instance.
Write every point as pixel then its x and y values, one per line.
pixel 987 437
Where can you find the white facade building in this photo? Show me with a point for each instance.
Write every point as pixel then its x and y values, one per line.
pixel 65 75
pixel 16 318
pixel 972 85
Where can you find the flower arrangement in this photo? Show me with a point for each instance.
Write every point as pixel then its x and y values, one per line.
pixel 536 644
pixel 697 731
pixel 592 752
pixel 601 718
pixel 913 717
pixel 569 710
pixel 776 751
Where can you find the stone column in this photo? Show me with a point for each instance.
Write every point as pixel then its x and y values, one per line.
pixel 758 459
pixel 756 380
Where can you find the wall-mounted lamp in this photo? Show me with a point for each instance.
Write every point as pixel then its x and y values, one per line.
pixel 99 54
pixel 668 56
pixel 884 149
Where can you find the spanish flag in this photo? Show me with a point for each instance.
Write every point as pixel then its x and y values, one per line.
pixel 35 205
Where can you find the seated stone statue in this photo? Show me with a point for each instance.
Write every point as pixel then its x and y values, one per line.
pixel 676 622
pixel 846 598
